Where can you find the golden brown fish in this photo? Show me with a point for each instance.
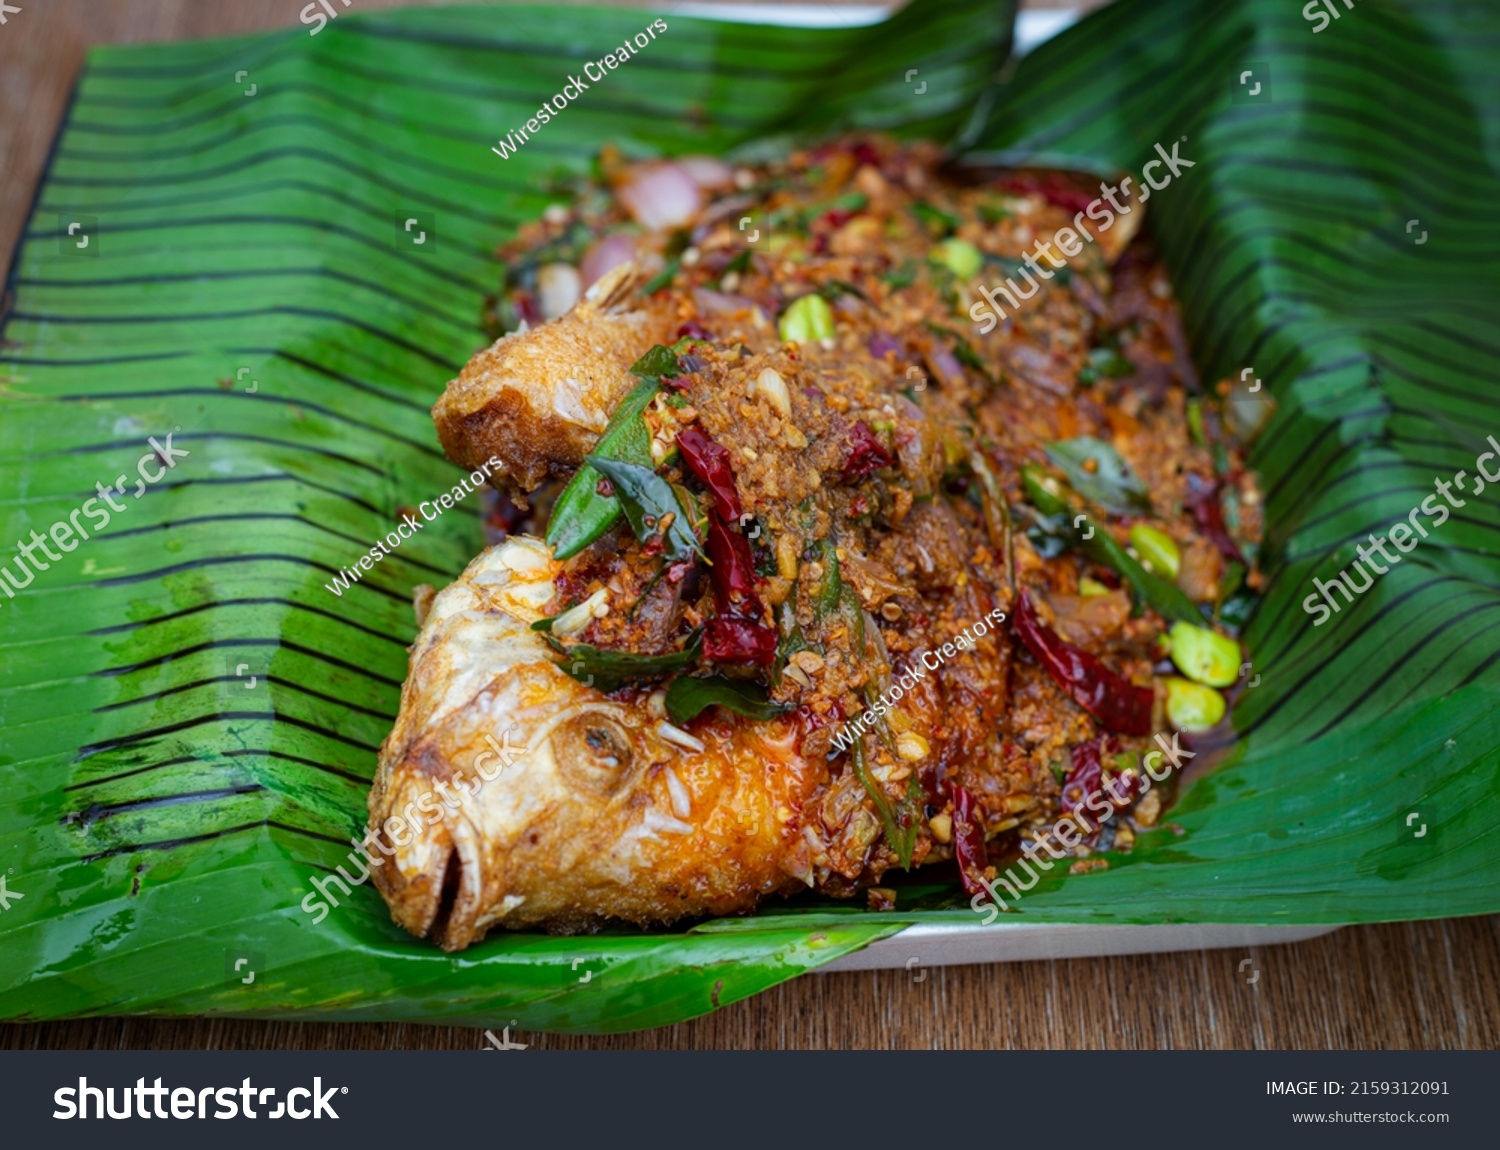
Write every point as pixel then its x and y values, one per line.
pixel 823 617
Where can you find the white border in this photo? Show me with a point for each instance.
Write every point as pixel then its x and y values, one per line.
pixel 1033 26
pixel 946 945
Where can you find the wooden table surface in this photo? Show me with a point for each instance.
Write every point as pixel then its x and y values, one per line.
pixel 1403 985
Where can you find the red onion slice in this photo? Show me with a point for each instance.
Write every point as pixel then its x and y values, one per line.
pixel 712 302
pixel 606 255
pixel 706 172
pixel 660 196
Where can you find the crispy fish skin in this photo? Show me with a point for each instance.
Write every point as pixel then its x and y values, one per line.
pixel 584 810
pixel 537 400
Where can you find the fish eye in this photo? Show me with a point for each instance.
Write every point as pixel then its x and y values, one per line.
pixel 593 752
pixel 602 742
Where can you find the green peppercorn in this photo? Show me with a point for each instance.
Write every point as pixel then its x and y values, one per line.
pixel 1205 656
pixel 809 318
pixel 960 257
pixel 1193 707
pixel 1157 550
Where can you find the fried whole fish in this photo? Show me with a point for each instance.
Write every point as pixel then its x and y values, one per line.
pixel 809 609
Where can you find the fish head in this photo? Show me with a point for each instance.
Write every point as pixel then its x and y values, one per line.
pixel 512 793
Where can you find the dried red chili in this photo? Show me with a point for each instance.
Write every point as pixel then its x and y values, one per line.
pixel 501 513
pixel 866 454
pixel 1125 787
pixel 1084 787
pixel 1118 704
pixel 730 640
pixel 968 839
pixel 733 573
pixel 526 307
pixel 1053 187
pixel 1208 513
pixel 1085 773
pixel 736 634
pixel 710 463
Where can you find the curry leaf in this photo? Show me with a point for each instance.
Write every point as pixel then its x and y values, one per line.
pixel 688 697
pixel 658 363
pixel 582 514
pixel 1058 521
pixel 1105 363
pixel 651 506
pixel 899 819
pixel 1100 474
pixel 946 223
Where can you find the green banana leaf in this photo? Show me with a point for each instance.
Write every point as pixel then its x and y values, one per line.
pixel 189 716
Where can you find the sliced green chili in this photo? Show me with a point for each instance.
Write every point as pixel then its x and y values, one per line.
pixel 831 587
pixel 1051 499
pixel 662 278
pixel 610 670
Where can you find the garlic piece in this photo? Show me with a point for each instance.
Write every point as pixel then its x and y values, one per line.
pixel 558 287
pixel 580 615
pixel 942 827
pixel 773 387
pixel 912 747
